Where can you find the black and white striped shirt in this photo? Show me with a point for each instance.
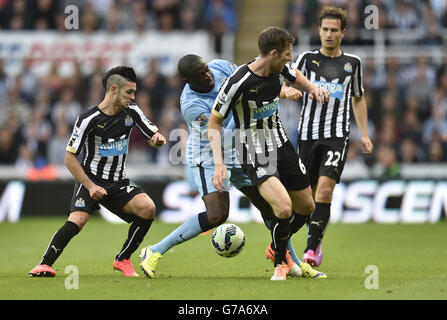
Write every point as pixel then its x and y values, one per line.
pixel 254 101
pixel 103 140
pixel 342 77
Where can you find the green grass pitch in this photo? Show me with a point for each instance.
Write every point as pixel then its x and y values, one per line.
pixel 411 261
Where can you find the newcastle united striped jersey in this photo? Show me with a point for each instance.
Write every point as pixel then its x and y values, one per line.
pixel 254 101
pixel 342 77
pixel 104 140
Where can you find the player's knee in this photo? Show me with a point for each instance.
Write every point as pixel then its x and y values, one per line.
pixel 147 211
pixel 324 194
pixel 79 218
pixel 308 207
pixel 284 211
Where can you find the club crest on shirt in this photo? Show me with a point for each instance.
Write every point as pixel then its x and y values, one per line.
pixel 282 79
pixel 348 67
pixel 128 121
pixel 201 119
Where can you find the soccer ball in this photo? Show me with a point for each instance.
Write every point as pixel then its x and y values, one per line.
pixel 228 240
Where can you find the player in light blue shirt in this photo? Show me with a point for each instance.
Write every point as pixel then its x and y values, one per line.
pixel 198 96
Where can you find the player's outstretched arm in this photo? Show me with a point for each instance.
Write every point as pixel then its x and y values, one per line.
pixel 72 163
pixel 290 93
pixel 215 138
pixel 361 118
pixel 319 94
pixel 157 140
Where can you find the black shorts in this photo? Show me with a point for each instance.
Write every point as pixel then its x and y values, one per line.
pixel 118 195
pixel 286 166
pixel 325 157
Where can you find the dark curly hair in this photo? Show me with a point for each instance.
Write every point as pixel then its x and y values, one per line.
pixel 333 13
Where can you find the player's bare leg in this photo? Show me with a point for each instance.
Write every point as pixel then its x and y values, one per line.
pixel 143 209
pixel 217 205
pixel 274 192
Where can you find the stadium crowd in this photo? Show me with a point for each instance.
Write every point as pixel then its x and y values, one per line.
pixel 407 102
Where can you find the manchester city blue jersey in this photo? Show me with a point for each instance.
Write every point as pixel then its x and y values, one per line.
pixel 196 108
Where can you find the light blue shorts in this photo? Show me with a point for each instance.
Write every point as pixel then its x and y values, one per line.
pixel 203 178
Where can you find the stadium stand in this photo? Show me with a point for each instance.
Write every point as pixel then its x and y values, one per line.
pixel 405 71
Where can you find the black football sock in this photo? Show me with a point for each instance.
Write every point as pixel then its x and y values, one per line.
pixel 317 224
pixel 280 230
pixel 203 221
pixel 136 234
pixel 59 241
pixel 297 221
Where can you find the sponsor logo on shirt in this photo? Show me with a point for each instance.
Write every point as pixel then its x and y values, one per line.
pixel 266 110
pixel 336 90
pixel 114 148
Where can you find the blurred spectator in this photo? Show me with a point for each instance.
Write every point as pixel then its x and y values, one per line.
pixel 166 22
pixel 113 22
pixel 387 160
pixel 100 6
pixel 404 15
pixel 16 107
pixel 439 98
pixel 154 83
pixel 13 14
pixel 170 117
pixel 435 124
pixel 8 151
pixel 192 15
pixel 390 104
pixel 25 158
pixel 436 152
pixel 3 87
pixel 411 127
pixel 220 18
pixel 298 13
pixel 443 18
pixel 89 19
pixel 142 20
pixel 431 27
pixel 409 152
pixel 77 83
pixel 29 82
pixel 67 109
pixel 389 132
pixel 421 81
pixel 188 21
pixel 58 143
pixel 53 81
pixel 37 133
pixel 423 111
pixel 437 149
pixel 167 8
pixel 42 14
